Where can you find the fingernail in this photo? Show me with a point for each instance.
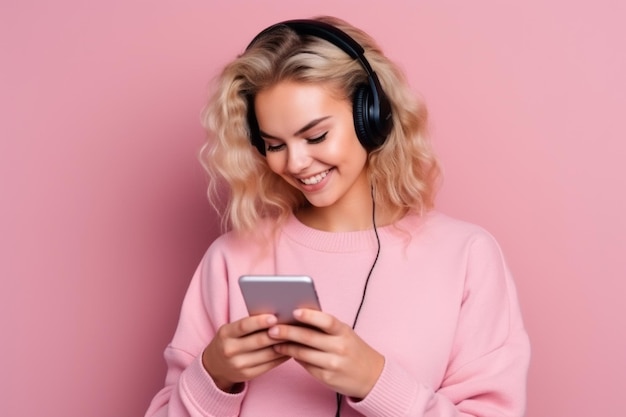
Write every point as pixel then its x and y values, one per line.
pixel 272 320
pixel 273 331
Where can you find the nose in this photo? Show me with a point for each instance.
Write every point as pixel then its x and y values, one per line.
pixel 298 157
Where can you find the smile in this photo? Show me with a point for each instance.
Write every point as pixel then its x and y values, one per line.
pixel 315 179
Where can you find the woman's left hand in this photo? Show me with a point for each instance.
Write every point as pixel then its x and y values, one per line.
pixel 332 352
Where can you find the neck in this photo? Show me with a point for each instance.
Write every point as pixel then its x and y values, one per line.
pixel 334 220
pixel 347 217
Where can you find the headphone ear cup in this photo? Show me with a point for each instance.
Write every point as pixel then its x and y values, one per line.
pixel 360 114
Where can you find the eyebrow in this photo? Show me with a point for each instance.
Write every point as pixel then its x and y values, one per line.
pixel 300 131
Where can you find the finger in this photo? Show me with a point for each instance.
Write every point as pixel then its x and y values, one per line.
pixel 248 325
pixel 254 341
pixel 304 354
pixel 256 359
pixel 245 367
pixel 253 372
pixel 231 347
pixel 304 336
pixel 320 320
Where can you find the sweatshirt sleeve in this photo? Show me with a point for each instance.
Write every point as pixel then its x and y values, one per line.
pixel 487 368
pixel 189 390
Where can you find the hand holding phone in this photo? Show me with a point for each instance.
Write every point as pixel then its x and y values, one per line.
pixel 279 295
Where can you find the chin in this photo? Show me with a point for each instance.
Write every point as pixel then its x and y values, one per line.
pixel 320 202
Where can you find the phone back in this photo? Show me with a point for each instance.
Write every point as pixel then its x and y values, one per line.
pixel 278 295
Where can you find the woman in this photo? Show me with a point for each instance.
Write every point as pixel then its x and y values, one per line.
pixel 323 149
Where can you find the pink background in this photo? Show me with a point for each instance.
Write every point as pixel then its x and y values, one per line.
pixel 104 216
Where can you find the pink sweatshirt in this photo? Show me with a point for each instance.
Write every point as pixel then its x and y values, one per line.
pixel 441 307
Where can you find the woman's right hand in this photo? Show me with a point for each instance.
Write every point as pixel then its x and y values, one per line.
pixel 241 351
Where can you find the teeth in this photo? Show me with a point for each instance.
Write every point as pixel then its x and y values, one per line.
pixel 314 179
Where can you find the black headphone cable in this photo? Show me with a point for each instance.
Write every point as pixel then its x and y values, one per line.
pixel 367 280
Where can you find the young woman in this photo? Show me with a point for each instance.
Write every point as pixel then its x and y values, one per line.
pixel 322 147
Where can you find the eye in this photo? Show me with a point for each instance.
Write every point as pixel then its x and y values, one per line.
pixel 318 139
pixel 274 148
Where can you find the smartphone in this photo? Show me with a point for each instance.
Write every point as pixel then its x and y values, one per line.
pixel 278 295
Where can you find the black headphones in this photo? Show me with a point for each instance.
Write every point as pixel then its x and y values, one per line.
pixel 371 107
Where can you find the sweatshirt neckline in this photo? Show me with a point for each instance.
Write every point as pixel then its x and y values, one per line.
pixel 353 241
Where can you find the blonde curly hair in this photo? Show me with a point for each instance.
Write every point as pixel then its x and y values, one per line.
pixel 403 171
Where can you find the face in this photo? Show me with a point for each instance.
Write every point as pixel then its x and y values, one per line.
pixel 311 143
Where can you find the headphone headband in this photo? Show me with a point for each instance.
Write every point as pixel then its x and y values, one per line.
pixel 325 31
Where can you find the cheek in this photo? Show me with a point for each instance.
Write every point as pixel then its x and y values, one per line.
pixel 274 162
pixel 349 150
